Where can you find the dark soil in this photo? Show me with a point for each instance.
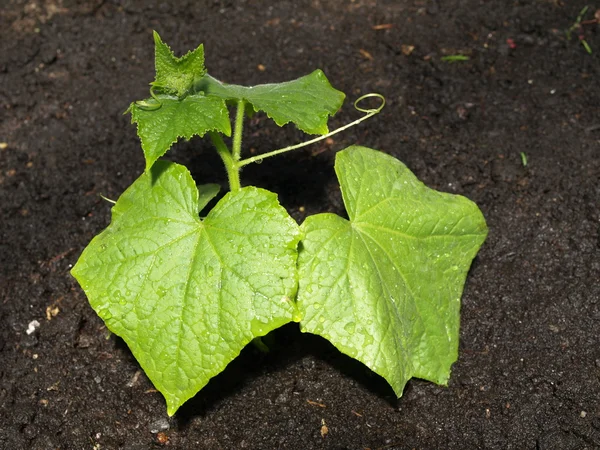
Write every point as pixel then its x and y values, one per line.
pixel 528 375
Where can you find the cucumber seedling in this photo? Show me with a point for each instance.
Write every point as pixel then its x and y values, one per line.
pixel 188 293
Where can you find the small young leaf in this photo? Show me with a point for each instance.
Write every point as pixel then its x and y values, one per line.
pixel 384 287
pixel 307 101
pixel 176 75
pixel 187 295
pixel 207 193
pixel 160 128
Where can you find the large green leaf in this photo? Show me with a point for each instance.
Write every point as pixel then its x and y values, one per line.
pixel 187 295
pixel 384 287
pixel 307 101
pixel 160 128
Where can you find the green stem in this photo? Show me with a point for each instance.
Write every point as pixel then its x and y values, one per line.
pixel 237 132
pixel 232 166
pixel 368 113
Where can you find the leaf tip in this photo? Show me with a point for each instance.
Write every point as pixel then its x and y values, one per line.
pixel 156 36
pixel 172 408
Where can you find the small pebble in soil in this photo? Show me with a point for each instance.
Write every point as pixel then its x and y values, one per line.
pixel 33 325
pixel 159 425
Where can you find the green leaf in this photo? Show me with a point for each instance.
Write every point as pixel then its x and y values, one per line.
pixel 207 193
pixel 187 295
pixel 176 75
pixel 384 286
pixel 307 102
pixel 160 128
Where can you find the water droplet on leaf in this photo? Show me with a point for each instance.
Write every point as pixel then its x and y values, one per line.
pixel 350 327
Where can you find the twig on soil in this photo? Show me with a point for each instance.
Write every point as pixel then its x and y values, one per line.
pixel 383 26
pixel 320 405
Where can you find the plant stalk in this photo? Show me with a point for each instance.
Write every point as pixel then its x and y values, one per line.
pixel 237 131
pixel 232 166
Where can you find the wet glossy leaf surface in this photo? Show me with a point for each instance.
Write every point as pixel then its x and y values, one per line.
pixel 194 115
pixel 187 295
pixel 307 101
pixel 384 287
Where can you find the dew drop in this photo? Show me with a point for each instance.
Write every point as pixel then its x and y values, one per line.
pixel 368 339
pixel 257 327
pixel 321 319
pixel 350 327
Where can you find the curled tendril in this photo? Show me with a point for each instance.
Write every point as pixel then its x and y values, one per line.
pixel 370 110
pixel 107 199
pixel 368 113
pixel 150 106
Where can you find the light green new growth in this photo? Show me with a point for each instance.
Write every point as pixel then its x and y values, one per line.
pixel 384 286
pixel 176 75
pixel 185 101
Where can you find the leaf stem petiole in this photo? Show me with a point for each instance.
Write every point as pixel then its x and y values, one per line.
pixel 237 131
pixel 233 170
pixel 368 113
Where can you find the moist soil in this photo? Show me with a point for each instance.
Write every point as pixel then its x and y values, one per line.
pixel 528 374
